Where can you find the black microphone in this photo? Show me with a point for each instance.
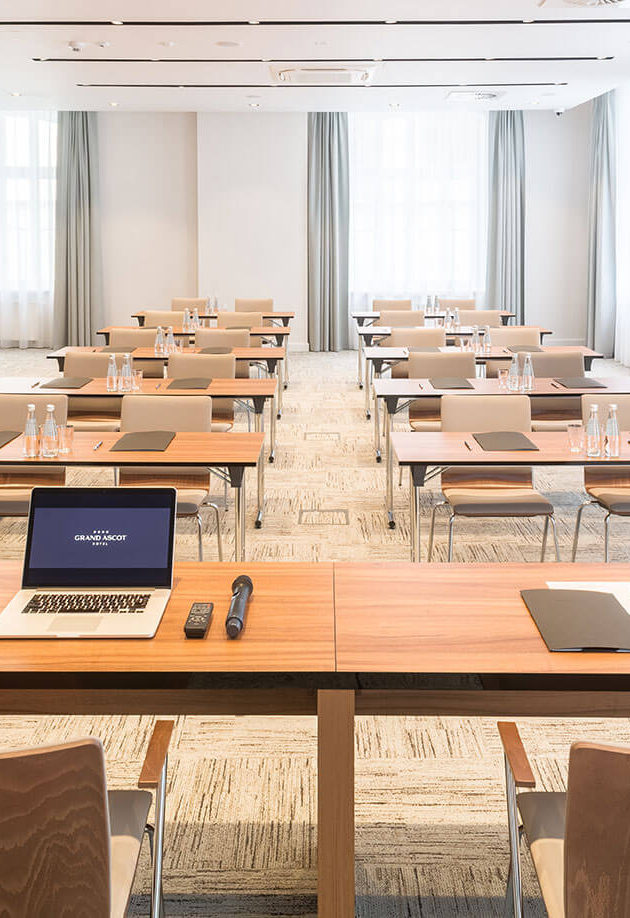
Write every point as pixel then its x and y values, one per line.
pixel 242 589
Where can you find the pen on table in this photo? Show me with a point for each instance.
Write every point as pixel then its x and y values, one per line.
pixel 467 445
pixel 35 384
pixel 100 443
pixel 158 385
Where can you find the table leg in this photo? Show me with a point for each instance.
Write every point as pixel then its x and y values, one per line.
pixel 377 430
pixel 237 480
pixel 258 426
pixel 272 429
pixel 280 373
pixel 414 518
pixel 286 361
pixel 335 804
pixel 368 374
pixel 359 367
pixel 389 485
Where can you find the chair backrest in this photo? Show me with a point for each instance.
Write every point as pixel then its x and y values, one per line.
pixel 424 366
pixel 404 319
pixel 483 413
pixel 558 363
pixel 416 337
pixel 132 337
pixel 165 317
pixel 82 363
pixel 604 401
pixel 508 335
pixel 245 305
pixel 491 317
pixel 13 409
pixel 178 413
pixel 213 366
pixel 189 302
pixel 239 319
pixel 446 302
pixel 222 337
pixel 54 826
pixel 389 305
pixel 597 832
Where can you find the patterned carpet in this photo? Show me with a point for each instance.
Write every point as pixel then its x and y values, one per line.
pixel 431 834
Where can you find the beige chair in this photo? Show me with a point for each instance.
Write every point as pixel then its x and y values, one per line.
pixel 163 317
pixel 481 317
pixel 490 491
pixel 554 413
pixel 179 413
pixel 242 320
pixel 17 481
pixel 245 305
pixel 608 488
pixel 91 412
pixel 424 413
pixel 404 319
pixel 210 366
pixel 389 305
pixel 127 339
pixel 70 846
pixel 578 840
pixel 515 335
pixel 180 303
pixel 412 337
pixel 445 302
pixel 226 337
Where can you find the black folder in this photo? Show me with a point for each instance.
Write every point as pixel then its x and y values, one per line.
pixel 450 382
pixel 155 441
pixel 423 350
pixel 215 350
pixel 524 348
pixel 579 620
pixel 67 382
pixel 7 435
pixel 190 382
pixel 503 440
pixel 580 382
pixel 117 349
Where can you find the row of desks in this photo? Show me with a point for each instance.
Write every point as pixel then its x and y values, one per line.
pixel 281 316
pixel 333 640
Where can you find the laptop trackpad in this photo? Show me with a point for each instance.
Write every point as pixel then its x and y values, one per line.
pixel 75 624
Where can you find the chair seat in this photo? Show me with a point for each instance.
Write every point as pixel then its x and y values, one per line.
pixel 221 426
pixel 543 816
pixel 617 500
pixel 559 424
pixel 14 501
pixel 490 501
pixel 128 812
pixel 426 424
pixel 189 500
pixel 92 423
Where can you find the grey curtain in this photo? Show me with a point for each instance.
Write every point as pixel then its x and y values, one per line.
pixel 328 231
pixel 78 278
pixel 505 279
pixel 602 268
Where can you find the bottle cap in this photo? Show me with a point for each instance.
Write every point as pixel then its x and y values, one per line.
pixel 30 407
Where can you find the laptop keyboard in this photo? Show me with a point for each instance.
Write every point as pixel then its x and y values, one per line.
pixel 82 603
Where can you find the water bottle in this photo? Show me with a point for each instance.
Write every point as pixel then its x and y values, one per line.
pixel 527 379
pixel 186 325
pixel 112 374
pixel 195 320
pixel 31 446
pixel 159 342
pixel 457 322
pixel 476 343
pixel 611 437
pixel 487 340
pixel 593 442
pixel 169 347
pixel 125 380
pixel 50 435
pixel 514 375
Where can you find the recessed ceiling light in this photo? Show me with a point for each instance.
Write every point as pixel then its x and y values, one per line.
pixel 254 104
pixel 254 22
pixel 113 104
pixel 378 60
pixel 489 58
pixel 117 22
pixel 154 60
pixel 180 87
pixel 391 21
pixel 228 44
pixel 527 21
pixel 15 94
pixel 265 60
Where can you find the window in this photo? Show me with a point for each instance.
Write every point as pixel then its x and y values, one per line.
pixel 28 151
pixel 418 201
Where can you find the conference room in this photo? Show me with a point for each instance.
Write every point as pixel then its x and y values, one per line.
pixel 314 458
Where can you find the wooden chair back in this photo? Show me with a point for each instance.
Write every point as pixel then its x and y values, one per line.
pixel 389 305
pixel 403 318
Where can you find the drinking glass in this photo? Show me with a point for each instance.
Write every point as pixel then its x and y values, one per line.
pixel 137 380
pixel 502 375
pixel 66 438
pixel 575 432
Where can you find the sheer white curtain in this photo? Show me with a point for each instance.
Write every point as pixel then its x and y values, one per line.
pixel 622 332
pixel 28 149
pixel 418 205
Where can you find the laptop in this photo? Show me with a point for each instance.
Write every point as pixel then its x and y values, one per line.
pixel 98 564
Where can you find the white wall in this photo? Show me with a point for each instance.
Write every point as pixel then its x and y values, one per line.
pixel 556 231
pixel 148 183
pixel 252 205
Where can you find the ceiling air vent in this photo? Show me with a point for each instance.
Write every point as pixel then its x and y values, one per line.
pixel 473 95
pixel 324 76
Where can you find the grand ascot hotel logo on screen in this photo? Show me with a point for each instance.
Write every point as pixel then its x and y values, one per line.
pixel 100 537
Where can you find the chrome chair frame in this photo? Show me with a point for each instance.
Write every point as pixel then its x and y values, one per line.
pixel 578 521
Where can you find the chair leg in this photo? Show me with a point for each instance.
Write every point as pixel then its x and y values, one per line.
pixel 440 503
pixel 199 537
pixel 515 886
pixel 606 535
pixel 578 521
pixel 400 474
pixel 544 539
pixel 554 529
pixel 157 895
pixel 451 523
pixel 218 525
pixel 508 910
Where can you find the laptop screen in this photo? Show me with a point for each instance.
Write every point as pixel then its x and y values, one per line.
pixel 100 537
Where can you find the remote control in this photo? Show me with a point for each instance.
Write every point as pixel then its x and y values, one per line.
pixel 198 620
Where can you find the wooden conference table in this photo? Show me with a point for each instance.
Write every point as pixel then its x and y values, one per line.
pixel 461 642
pixel 418 450
pixel 280 335
pixel 234 451
pixel 281 316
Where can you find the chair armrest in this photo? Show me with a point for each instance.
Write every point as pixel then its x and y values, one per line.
pixel 516 755
pixel 156 754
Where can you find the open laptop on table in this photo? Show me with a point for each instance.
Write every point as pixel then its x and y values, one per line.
pixel 98 564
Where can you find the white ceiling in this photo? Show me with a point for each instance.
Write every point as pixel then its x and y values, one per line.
pixel 440 45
